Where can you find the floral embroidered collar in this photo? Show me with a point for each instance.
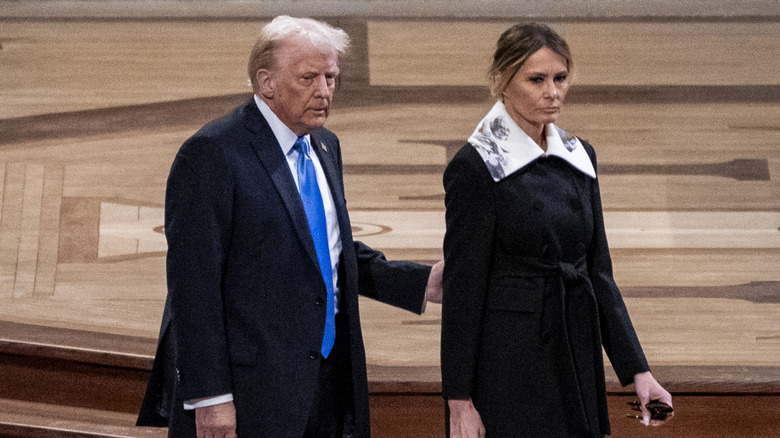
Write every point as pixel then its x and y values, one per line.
pixel 506 148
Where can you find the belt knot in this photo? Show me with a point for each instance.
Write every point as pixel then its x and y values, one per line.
pixel 569 273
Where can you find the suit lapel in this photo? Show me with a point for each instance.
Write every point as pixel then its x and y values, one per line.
pixel 328 157
pixel 269 152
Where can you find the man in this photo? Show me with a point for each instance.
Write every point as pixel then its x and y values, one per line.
pixel 262 269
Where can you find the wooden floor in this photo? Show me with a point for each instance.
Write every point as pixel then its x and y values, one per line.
pixel 684 115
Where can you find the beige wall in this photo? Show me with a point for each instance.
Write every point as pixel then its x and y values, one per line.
pixel 390 8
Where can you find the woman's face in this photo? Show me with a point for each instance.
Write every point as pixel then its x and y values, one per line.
pixel 534 96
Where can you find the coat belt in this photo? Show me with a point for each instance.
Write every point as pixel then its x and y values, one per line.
pixel 570 328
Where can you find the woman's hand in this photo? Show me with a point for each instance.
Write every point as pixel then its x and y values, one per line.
pixel 465 421
pixel 647 388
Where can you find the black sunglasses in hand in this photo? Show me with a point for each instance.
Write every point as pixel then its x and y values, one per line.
pixel 658 410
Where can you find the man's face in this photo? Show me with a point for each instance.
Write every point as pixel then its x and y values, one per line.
pixel 300 87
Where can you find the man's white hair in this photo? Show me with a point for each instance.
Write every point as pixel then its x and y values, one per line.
pixel 321 34
pixel 282 28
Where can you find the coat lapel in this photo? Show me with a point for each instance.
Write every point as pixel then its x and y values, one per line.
pixel 270 154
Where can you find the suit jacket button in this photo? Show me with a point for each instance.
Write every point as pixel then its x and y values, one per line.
pixel 312 355
pixel 319 301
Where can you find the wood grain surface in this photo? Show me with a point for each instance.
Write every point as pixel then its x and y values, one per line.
pixel 684 117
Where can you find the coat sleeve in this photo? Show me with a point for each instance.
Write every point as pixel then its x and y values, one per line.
pixel 617 332
pixel 198 217
pixel 468 243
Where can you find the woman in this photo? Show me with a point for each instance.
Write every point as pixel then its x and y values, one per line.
pixel 529 297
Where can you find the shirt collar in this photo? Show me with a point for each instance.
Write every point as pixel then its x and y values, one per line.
pixel 284 135
pixel 506 148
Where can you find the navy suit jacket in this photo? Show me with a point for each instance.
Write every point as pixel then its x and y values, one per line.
pixel 245 310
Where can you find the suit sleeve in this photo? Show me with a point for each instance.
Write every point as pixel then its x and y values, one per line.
pixel 397 283
pixel 198 216
pixel 617 332
pixel 468 244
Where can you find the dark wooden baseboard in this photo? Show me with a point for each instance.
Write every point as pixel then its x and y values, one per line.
pixel 697 416
pixel 408 415
pixel 69 383
pixel 108 391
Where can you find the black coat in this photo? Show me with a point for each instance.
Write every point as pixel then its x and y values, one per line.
pixel 245 312
pixel 529 299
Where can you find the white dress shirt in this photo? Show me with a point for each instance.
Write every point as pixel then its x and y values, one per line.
pixel 286 139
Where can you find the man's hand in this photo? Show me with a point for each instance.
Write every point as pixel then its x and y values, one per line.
pixel 217 421
pixel 433 291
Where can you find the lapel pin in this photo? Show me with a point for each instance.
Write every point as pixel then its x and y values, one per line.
pixel 324 146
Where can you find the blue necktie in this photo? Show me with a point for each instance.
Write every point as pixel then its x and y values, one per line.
pixel 315 214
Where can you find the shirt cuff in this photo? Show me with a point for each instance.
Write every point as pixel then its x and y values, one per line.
pixel 211 401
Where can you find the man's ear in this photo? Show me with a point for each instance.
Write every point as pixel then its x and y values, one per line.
pixel 265 83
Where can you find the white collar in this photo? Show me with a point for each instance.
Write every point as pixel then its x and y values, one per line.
pixel 506 148
pixel 284 135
